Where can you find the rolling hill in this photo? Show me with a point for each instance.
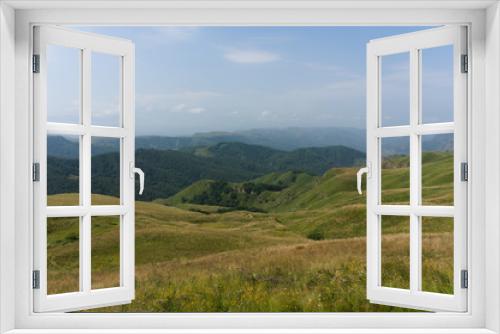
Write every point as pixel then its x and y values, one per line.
pixel 305 254
pixel 314 160
pixel 286 139
pixel 169 171
pixel 293 138
pixel 292 190
pixel 261 194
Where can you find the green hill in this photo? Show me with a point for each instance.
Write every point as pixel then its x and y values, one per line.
pixel 169 171
pixel 307 253
pixel 340 210
pixel 261 194
pixel 313 160
pixel 278 138
pixel 286 139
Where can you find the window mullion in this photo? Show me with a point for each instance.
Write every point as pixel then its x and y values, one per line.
pixel 415 235
pixel 85 158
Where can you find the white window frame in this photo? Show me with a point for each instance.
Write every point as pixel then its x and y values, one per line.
pixel 86 43
pixel 483 19
pixel 413 44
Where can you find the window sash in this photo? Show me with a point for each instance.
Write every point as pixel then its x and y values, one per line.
pixel 414 297
pixel 86 297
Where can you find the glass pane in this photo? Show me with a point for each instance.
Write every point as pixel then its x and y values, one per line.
pixel 395 169
pixel 437 254
pixel 105 252
pixel 63 255
pixel 437 84
pixel 105 171
pixel 63 170
pixel 395 260
pixel 63 84
pixel 395 89
pixel 395 265
pixel 437 169
pixel 106 90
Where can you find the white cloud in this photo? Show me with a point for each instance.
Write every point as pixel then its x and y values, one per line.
pixel 323 67
pixel 352 89
pixel 196 95
pixel 183 108
pixel 265 113
pixel 178 102
pixel 104 109
pixel 178 108
pixel 251 56
pixel 196 110
pixel 186 95
pixel 346 87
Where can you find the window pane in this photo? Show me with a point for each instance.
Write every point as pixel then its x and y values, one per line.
pixel 437 84
pixel 395 170
pixel 63 255
pixel 437 254
pixel 437 169
pixel 106 89
pixel 105 252
pixel 63 170
pixel 63 84
pixel 105 171
pixel 395 89
pixel 395 260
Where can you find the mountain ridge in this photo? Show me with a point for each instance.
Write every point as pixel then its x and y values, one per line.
pixel 286 139
pixel 169 171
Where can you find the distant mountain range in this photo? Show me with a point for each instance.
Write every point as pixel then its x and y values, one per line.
pixel 173 163
pixel 286 139
pixel 169 171
pixel 281 139
pixel 291 138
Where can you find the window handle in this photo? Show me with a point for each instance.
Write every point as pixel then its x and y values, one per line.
pixel 134 170
pixel 364 170
pixel 141 179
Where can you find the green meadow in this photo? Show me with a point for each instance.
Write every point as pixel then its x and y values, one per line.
pixel 282 242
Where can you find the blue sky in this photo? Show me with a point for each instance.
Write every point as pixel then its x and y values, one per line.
pixel 198 79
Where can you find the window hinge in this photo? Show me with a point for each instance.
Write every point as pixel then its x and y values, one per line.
pixel 464 171
pixel 36 172
pixel 36 63
pixel 464 279
pixel 465 63
pixel 36 279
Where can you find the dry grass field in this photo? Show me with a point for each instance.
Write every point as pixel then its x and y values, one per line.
pixel 304 253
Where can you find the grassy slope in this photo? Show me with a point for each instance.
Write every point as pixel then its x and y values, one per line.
pixel 169 171
pixel 307 254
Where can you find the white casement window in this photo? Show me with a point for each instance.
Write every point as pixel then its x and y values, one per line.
pixel 84 127
pixel 27 296
pixel 412 134
pixel 412 208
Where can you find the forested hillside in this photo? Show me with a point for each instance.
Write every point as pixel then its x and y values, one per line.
pixel 286 139
pixel 169 171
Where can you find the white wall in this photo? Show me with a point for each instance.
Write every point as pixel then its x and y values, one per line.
pixel 7 147
pixel 6 167
pixel 492 211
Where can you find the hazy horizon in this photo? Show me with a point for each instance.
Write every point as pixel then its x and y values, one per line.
pixel 249 130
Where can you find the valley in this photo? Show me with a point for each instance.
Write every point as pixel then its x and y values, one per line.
pixel 277 239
